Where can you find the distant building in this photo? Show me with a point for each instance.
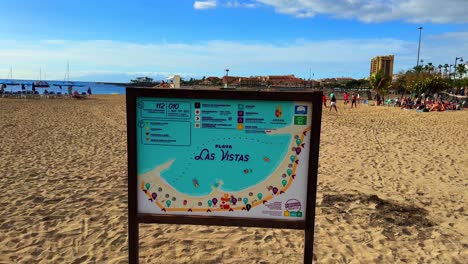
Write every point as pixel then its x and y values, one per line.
pixel 231 80
pixel 174 81
pixel 285 81
pixel 395 77
pixel 212 81
pixel 384 63
pixel 251 81
pixel 344 80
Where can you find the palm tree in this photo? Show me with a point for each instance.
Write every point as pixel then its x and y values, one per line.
pixel 461 70
pixel 430 67
pixel 380 82
pixel 440 69
pixel 446 68
pixel 400 84
pixel 418 68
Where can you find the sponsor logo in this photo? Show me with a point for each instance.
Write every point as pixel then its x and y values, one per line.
pixel 292 205
pixel 278 111
pixel 300 120
pixel 300 109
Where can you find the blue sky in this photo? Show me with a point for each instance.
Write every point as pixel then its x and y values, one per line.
pixel 115 41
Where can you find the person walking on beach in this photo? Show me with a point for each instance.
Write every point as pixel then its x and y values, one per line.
pixel 346 97
pixel 354 99
pixel 358 98
pixel 89 91
pixel 70 90
pixel 333 102
pixel 324 100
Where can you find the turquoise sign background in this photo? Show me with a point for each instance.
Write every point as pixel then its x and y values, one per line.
pixel 213 142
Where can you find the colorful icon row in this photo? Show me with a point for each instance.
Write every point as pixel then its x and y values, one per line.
pixel 293 214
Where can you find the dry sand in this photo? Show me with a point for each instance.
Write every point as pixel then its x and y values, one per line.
pixel 392 189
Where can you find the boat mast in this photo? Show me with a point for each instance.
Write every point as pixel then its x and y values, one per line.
pixel 68 71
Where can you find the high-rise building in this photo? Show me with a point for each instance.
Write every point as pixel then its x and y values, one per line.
pixel 382 62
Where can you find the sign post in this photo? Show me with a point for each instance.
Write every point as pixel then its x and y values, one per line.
pixel 226 158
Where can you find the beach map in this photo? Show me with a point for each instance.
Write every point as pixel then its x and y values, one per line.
pixel 238 158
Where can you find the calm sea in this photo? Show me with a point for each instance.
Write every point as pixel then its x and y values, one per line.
pixel 96 88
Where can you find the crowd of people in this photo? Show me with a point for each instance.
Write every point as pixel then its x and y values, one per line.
pixel 355 99
pixel 23 92
pixel 421 103
pixel 428 103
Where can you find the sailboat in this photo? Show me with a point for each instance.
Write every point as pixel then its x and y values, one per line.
pixel 41 84
pixel 10 78
pixel 66 79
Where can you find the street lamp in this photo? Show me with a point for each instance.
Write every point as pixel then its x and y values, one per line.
pixel 455 67
pixel 227 74
pixel 419 45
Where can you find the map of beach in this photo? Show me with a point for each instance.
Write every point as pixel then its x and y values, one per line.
pixel 223 157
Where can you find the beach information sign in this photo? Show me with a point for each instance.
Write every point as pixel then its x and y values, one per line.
pixel 221 156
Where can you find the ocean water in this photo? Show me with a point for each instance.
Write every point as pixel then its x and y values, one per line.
pixel 96 88
pixel 216 164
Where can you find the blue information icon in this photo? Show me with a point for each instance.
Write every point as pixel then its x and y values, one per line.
pixel 300 109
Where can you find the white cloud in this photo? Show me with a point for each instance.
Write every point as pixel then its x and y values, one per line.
pixel 202 5
pixel 342 57
pixel 237 4
pixel 370 11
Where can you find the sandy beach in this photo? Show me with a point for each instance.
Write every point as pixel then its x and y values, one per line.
pixel 392 189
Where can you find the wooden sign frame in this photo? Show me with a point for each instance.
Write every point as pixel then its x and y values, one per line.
pixel 135 218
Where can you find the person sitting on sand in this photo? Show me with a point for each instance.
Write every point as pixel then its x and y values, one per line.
pixel 76 95
pixel 410 103
pixel 437 106
pixel 418 102
pixel 403 103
